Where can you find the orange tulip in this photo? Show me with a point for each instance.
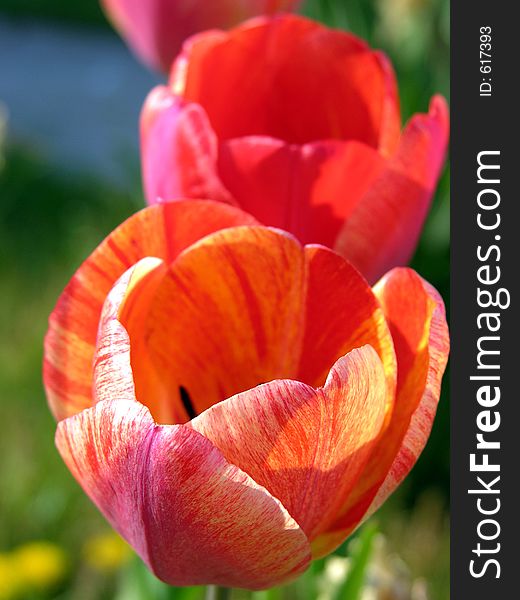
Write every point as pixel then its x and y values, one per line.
pixel 299 125
pixel 155 29
pixel 236 404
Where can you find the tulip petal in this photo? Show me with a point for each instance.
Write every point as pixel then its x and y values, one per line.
pixel 390 132
pixel 246 306
pixel 155 29
pixel 193 517
pixel 415 313
pixel 179 150
pixel 138 23
pixel 307 446
pixel 278 66
pixel 296 187
pixel 129 300
pixel 228 316
pixel 162 231
pixel 341 314
pixel 383 230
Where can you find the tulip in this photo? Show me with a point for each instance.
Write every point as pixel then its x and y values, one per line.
pixel 298 125
pixel 236 404
pixel 155 29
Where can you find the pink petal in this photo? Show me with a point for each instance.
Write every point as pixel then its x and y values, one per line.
pixel 155 29
pixel 179 150
pixel 193 517
pixel 129 301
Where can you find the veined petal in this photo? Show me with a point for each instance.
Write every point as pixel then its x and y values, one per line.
pixel 227 316
pixel 415 313
pixel 342 313
pixel 306 446
pixel 129 300
pixel 383 230
pixel 246 306
pixel 162 231
pixel 193 517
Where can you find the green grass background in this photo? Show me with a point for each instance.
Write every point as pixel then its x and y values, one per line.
pixel 51 220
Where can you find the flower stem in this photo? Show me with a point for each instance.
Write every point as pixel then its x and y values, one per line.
pixel 215 592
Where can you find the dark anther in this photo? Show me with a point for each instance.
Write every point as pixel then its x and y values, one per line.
pixel 187 403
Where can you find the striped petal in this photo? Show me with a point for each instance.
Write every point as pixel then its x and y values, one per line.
pixel 415 313
pixel 161 232
pixel 227 317
pixel 341 314
pixel 247 306
pixel 307 446
pixel 193 517
pixel 128 300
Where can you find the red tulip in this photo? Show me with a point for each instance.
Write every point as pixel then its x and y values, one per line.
pixel 155 29
pixel 299 125
pixel 236 406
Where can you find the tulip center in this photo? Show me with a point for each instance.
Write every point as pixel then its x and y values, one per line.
pixel 187 403
pixel 244 306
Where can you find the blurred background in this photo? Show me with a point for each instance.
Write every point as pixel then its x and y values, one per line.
pixel 70 96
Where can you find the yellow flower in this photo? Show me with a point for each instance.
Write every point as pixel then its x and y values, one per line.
pixel 39 564
pixel 106 552
pixel 10 584
pixel 32 566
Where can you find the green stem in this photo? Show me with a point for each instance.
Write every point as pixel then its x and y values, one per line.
pixel 215 592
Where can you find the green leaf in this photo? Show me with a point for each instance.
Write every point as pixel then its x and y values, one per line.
pixel 274 594
pixel 360 558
